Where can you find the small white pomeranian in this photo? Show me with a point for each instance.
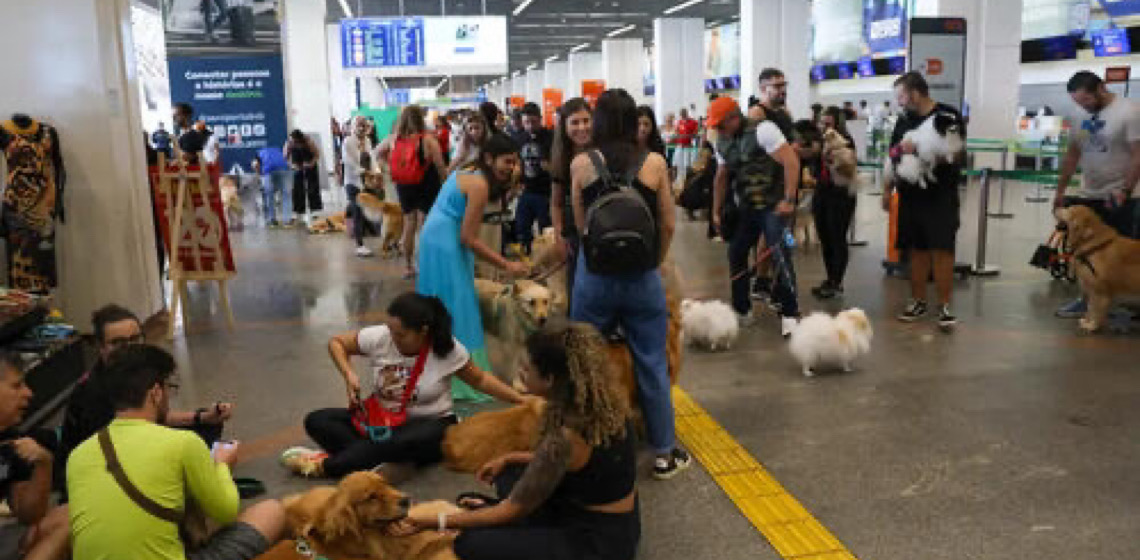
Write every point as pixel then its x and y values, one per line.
pixel 821 340
pixel 939 139
pixel 711 325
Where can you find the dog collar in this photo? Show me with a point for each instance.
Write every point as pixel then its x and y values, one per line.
pixel 304 549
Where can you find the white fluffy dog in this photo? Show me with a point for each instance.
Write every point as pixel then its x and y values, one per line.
pixel 939 139
pixel 821 340
pixel 711 325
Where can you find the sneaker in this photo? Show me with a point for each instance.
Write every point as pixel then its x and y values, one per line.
pixel 363 251
pixel 826 291
pixel 273 224
pixel 746 319
pixel 913 312
pixel 787 325
pixel 1074 309
pixel 946 319
pixel 303 461
pixel 761 289
pixel 668 466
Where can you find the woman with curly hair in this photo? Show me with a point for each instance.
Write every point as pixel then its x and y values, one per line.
pixel 575 495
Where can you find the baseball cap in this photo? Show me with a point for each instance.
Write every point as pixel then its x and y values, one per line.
pixel 720 109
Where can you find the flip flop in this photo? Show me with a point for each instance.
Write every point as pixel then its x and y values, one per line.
pixel 249 487
pixel 488 501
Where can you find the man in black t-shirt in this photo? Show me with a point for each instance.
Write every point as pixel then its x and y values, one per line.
pixel 534 203
pixel 26 471
pixel 928 217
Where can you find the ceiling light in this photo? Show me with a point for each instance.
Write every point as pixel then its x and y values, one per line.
pixel 521 7
pixel 682 6
pixel 580 47
pixel 344 8
pixel 552 58
pixel 617 32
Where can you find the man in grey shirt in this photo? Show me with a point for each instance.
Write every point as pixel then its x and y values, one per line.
pixel 1107 147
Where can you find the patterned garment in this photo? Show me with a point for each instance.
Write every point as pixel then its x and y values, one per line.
pixel 34 185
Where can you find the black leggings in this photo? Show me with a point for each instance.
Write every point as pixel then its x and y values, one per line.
pixel 306 188
pixel 556 531
pixel 832 208
pixel 418 441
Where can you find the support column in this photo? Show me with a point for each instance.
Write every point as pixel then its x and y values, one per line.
pixel 623 66
pixel 680 62
pixel 87 88
pixel 518 85
pixel 307 96
pixel 535 80
pixel 777 34
pixel 583 66
pixel 557 76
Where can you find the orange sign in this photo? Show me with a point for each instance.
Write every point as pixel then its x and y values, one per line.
pixel 204 240
pixel 933 66
pixel 517 101
pixel 551 101
pixel 1117 74
pixel 591 89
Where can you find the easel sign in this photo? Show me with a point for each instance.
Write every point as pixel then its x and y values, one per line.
pixel 189 202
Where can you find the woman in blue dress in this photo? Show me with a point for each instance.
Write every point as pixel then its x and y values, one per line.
pixel 450 242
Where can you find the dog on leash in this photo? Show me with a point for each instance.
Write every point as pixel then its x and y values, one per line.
pixel 821 341
pixel 390 217
pixel 711 325
pixel 510 313
pixel 841 161
pixel 351 519
pixel 1106 263
pixel 231 201
pixel 939 139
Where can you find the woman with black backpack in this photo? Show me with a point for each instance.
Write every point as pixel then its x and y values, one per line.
pixel 415 160
pixel 623 208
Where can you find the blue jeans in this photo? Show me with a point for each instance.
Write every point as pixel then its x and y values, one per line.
pixel 274 184
pixel 636 303
pixel 754 224
pixel 531 208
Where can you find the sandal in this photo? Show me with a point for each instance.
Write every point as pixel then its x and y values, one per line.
pixel 466 499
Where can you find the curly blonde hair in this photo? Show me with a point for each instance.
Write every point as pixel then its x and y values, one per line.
pixel 583 395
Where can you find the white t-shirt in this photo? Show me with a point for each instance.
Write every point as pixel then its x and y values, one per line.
pixel 1106 153
pixel 391 371
pixel 352 149
pixel 769 137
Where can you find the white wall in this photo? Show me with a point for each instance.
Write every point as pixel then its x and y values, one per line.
pixel 583 66
pixel 308 100
pixel 71 63
pixel 535 80
pixel 623 66
pixel 342 88
pixel 557 76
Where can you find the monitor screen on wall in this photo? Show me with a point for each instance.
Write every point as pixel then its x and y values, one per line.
pixel 1111 42
pixel 425 46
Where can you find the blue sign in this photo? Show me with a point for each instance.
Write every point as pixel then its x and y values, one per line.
pixel 240 98
pixel 818 73
pixel 1121 8
pixel 866 67
pixel 377 43
pixel 1111 42
pixel 885 25
pixel 844 71
pixel 398 96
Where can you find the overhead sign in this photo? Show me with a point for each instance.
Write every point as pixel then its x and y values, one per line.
pixel 938 52
pixel 1121 8
pixel 885 24
pixel 1117 74
pixel 1111 42
pixel 420 46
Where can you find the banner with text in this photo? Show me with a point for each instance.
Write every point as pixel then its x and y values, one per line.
pixel 885 23
pixel 938 52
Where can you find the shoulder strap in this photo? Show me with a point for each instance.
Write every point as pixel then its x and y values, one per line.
pixel 600 167
pixel 414 378
pixel 635 170
pixel 132 491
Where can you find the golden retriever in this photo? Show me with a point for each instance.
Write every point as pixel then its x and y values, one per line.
pixel 350 521
pixel 475 441
pixel 1107 263
pixel 391 219
pixel 510 313
pixel 333 223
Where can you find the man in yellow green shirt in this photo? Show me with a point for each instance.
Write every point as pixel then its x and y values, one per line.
pixel 168 467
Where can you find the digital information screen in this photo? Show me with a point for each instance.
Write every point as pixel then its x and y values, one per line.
pixel 422 46
pixel 1111 42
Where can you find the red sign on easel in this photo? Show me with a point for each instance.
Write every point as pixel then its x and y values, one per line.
pixel 204 240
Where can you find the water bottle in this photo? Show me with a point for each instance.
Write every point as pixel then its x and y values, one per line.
pixel 789 238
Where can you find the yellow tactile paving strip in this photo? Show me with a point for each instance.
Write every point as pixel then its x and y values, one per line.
pixel 787 525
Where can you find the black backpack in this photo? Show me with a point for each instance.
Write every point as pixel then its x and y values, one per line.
pixel 621 229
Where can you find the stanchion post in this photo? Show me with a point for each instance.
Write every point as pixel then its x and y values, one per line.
pixel 980 266
pixel 1001 213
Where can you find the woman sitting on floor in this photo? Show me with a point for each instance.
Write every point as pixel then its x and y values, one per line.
pixel 412 358
pixel 575 495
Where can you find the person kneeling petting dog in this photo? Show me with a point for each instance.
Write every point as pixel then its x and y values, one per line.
pixel 402 417
pixel 575 495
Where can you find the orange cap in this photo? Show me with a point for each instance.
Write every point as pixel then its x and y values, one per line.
pixel 721 108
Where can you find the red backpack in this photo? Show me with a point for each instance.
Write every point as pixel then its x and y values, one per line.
pixel 407 160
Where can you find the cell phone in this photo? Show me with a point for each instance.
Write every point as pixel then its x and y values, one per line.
pixel 221 444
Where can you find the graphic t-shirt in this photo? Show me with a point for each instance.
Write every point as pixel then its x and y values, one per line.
pixel 534 151
pixel 391 371
pixel 1104 140
pixel 13 469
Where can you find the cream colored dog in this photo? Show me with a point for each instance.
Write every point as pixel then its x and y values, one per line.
pixel 510 313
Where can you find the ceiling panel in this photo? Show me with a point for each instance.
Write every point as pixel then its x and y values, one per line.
pixel 548 27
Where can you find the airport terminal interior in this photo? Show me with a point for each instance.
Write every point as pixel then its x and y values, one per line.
pixel 579 279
